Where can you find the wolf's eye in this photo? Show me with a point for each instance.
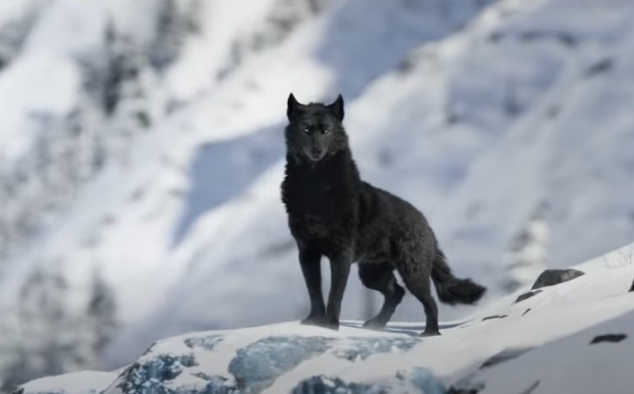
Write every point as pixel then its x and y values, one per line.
pixel 326 131
pixel 306 131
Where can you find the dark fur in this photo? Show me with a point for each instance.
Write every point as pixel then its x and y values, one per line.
pixel 333 213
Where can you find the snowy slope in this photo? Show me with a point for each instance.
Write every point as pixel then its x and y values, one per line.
pixel 481 131
pixel 481 116
pixel 146 217
pixel 572 337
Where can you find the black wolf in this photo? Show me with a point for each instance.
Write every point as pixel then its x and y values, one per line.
pixel 333 213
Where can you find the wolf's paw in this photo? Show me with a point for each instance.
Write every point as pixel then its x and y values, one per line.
pixel 430 333
pixel 321 321
pixel 330 323
pixel 375 324
pixel 313 320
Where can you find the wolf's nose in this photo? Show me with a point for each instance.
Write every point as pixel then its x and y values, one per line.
pixel 315 151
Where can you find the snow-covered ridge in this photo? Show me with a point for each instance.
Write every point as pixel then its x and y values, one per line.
pixel 582 328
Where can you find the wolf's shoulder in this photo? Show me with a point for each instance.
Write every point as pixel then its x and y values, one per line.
pixel 369 190
pixel 384 200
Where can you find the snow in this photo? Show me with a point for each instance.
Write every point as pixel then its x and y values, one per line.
pixel 75 383
pixel 478 114
pixel 173 200
pixel 544 341
pixel 464 176
pixel 54 75
pixel 536 368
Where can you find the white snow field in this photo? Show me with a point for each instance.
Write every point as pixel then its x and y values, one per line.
pixel 573 337
pixel 508 123
pixel 482 131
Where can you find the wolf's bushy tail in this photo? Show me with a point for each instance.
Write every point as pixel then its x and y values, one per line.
pixel 452 290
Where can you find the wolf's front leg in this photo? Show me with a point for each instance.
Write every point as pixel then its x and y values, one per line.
pixel 311 268
pixel 339 271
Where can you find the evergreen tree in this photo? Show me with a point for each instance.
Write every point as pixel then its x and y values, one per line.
pixel 102 313
pixel 194 14
pixel 37 344
pixel 13 34
pixel 171 30
pixel 43 337
pixel 115 70
pixel 131 102
pixel 283 18
pixel 124 68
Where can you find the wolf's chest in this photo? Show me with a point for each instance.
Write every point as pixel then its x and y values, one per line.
pixel 322 233
pixel 312 198
pixel 317 226
pixel 318 211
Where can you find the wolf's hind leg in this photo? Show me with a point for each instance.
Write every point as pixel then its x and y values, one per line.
pixel 414 266
pixel 380 277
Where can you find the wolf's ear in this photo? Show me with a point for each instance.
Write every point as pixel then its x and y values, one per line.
pixel 337 108
pixel 292 108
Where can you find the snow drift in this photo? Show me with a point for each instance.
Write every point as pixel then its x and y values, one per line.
pixel 581 327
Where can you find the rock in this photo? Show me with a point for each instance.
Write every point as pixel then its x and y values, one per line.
pixel 414 380
pixel 602 66
pixel 632 287
pixel 424 380
pixel 503 356
pixel 256 366
pixel 323 385
pixel 525 296
pixel 613 338
pixel 553 277
pixel 494 317
pixel 454 390
pixel 475 388
pixel 151 376
pixel 361 348
pixel 531 388
pixel 466 386
pixel 206 343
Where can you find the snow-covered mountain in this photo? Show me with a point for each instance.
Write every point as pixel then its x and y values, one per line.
pixel 141 145
pixel 572 333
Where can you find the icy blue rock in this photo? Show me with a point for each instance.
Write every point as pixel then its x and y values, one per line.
pixel 324 385
pixel 415 381
pixel 363 347
pixel 256 366
pixel 206 343
pixel 215 385
pixel 149 377
pixel 425 381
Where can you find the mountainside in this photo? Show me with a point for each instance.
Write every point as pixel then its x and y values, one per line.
pixel 577 323
pixel 142 148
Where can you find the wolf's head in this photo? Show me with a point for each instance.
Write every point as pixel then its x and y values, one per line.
pixel 315 130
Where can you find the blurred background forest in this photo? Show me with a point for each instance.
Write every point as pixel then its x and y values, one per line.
pixel 141 147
